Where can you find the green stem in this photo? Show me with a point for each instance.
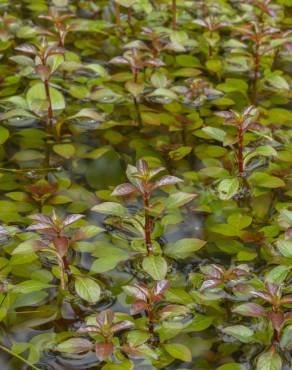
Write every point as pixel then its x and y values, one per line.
pixel 7 350
pixel 138 112
pixel 61 266
pixel 148 225
pixel 50 116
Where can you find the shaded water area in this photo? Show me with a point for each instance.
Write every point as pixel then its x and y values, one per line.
pixel 188 265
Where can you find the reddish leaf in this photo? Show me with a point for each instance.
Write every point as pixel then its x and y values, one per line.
pixel 239 272
pixel 43 72
pixel 142 292
pixel 71 219
pixel 250 310
pixel 119 60
pixel 38 226
pixel 41 218
pixel 134 352
pixel 138 307
pixel 272 288
pixel 25 48
pixel 124 189
pixel 104 350
pixel 142 166
pixel 154 62
pixel 286 299
pixel 160 287
pixel 167 180
pixel 88 329
pixel 156 171
pixel 105 318
pixel 215 271
pixel 122 325
pixel 61 244
pixel 225 114
pixel 277 319
pixel 265 296
pixel 211 283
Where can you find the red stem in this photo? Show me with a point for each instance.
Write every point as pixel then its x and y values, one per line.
pixel 50 109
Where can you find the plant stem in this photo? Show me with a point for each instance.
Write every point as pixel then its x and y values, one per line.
pixel 240 151
pixel 256 71
pixel 50 116
pixel 151 325
pixel 147 226
pixel 46 163
pixel 3 348
pixel 62 271
pixel 129 15
pixel 61 266
pixel 118 14
pixel 173 7
pixel 138 113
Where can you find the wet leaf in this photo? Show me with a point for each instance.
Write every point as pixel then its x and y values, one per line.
pixel 87 289
pixel 155 266
pixel 269 361
pixel 179 351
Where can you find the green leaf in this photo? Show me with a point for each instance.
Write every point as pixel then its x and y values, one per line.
pixel 240 332
pixel 264 180
pixel 64 150
pixel 278 274
pixel 228 188
pixel 87 289
pixel 4 135
pixel 125 365
pixel 199 323
pixel 270 360
pixel 179 153
pixel 158 80
pixel 277 82
pixel 75 345
pixel 26 247
pixel 111 208
pixel 215 133
pixel 286 338
pixel 36 95
pixel 183 248
pixel 187 61
pixel 155 266
pixel 179 351
pixel 231 366
pixel 27 155
pixel 134 88
pixel 179 199
pixel 239 221
pixel 285 247
pixel 107 263
pixel 266 151
pixel 30 286
pixel 214 65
